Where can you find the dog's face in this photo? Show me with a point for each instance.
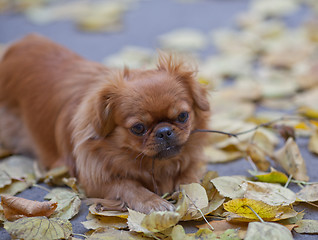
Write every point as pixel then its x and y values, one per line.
pixel 152 112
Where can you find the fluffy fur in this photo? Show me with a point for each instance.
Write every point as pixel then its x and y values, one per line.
pixel 63 109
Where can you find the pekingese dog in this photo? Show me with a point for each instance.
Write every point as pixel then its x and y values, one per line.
pixel 125 134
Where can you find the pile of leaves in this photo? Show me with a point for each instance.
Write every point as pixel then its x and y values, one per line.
pixel 269 71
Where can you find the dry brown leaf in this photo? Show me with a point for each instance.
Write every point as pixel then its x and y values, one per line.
pixel 16 207
pixel 289 157
pixel 258 156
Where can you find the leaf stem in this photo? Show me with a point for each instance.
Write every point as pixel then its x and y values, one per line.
pixel 288 181
pixel 255 213
pixel 212 228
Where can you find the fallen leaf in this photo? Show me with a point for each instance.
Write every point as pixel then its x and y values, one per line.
pixel 5 179
pixel 17 186
pixel 307 226
pixel 18 167
pixel 308 193
pixel 68 202
pixel 113 234
pixel 39 228
pixel 102 17
pixel 266 230
pixel 216 155
pixel 183 40
pixel 197 199
pixel 93 210
pixel 95 222
pixel 208 186
pixel 267 212
pixel 223 225
pixel 56 175
pixel 269 193
pixel 289 157
pixel 132 57
pixel 134 222
pixel 271 177
pixel 229 186
pixel 258 156
pixel 159 221
pixel 16 207
pixel 313 143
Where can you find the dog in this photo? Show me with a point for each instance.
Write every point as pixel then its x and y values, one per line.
pixel 126 134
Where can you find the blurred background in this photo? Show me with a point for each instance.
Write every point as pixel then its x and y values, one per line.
pixel 258 58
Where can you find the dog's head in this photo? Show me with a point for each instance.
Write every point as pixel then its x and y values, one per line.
pixel 151 112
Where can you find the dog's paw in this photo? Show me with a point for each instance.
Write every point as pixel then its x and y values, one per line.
pixel 154 204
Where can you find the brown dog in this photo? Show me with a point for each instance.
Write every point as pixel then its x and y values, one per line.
pixel 125 134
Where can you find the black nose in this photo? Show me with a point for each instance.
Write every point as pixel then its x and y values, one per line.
pixel 164 133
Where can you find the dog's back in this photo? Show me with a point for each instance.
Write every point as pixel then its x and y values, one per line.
pixel 41 84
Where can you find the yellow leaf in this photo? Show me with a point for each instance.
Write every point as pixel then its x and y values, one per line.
pixel 95 222
pixel 289 157
pixel 272 177
pixel 16 207
pixel 308 112
pixel 267 212
pixel 39 228
pixel 93 209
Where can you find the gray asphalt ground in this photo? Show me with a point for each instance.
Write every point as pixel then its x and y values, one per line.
pixel 141 27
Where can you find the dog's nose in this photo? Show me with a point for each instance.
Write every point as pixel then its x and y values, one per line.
pixel 165 133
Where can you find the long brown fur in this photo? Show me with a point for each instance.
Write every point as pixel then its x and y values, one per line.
pixel 63 109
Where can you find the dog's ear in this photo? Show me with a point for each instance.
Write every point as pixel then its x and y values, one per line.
pixel 104 105
pixel 185 73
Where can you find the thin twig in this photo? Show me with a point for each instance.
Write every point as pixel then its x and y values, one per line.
pixel 39 186
pixel 310 203
pixel 215 131
pixel 288 181
pixel 303 182
pixel 80 235
pixel 267 124
pixel 212 228
pixel 255 213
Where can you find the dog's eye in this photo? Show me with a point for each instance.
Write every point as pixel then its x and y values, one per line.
pixel 183 117
pixel 138 129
